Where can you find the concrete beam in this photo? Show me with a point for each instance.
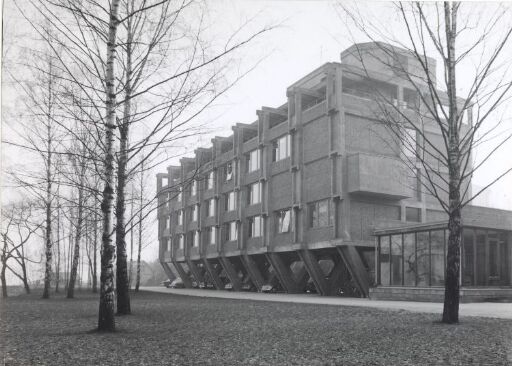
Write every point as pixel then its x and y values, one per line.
pixel 253 271
pixel 314 270
pixel 339 276
pixel 283 272
pixel 301 278
pixel 195 270
pixel 184 276
pixel 231 272
pixel 170 274
pixel 355 266
pixel 214 274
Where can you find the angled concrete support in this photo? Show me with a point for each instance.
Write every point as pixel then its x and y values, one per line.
pixel 231 272
pixel 283 272
pixel 314 270
pixel 301 275
pixel 184 276
pixel 254 273
pixel 355 266
pixel 195 270
pixel 170 274
pixel 339 277
pixel 214 274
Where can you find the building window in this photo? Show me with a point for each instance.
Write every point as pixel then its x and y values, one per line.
pixel 253 161
pixel 409 147
pixel 320 213
pixel 168 243
pixel 195 212
pixel 167 222
pixel 231 231
pixel 210 180
pixel 228 172
pixel 211 233
pixel 412 214
pixel 180 217
pixel 281 148
pixel 193 189
pixel 181 241
pixel 195 238
pixel 180 193
pixel 230 201
pixel 283 221
pixel 255 227
pixel 210 208
pixel 254 193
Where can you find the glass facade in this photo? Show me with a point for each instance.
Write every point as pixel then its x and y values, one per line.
pixel 418 258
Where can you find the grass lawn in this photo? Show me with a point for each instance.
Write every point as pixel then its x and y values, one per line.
pixel 178 330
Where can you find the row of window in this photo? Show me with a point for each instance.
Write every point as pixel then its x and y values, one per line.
pixel 230 230
pixel 321 214
pixel 253 197
pixel 280 151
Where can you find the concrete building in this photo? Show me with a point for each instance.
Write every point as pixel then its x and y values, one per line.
pixel 306 196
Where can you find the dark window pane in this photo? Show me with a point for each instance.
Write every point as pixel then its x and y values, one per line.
pixel 323 213
pixel 384 260
pixel 481 258
pixel 412 214
pixel 437 259
pixel 396 260
pixel 422 259
pixel 468 264
pixel 409 260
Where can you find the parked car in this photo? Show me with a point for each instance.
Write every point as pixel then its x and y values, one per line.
pixel 177 283
pixel 166 283
pixel 268 288
pixel 229 286
pixel 248 287
pixel 206 285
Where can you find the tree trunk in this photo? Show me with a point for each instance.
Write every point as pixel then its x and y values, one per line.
pixel 106 320
pixel 122 281
pixel 23 266
pixel 3 279
pixel 95 265
pixel 78 237
pixel 141 216
pixel 452 287
pixel 48 267
pixel 57 266
pixel 130 278
pixel 122 286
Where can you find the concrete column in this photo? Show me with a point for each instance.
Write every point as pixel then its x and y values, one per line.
pixel 213 274
pixel 195 270
pixel 253 271
pixel 283 272
pixel 315 272
pixel 231 273
pixel 184 277
pixel 355 266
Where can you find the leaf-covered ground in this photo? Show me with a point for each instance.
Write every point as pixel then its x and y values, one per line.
pixel 178 330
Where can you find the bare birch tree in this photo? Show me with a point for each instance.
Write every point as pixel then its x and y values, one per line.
pixel 456 34
pixel 18 227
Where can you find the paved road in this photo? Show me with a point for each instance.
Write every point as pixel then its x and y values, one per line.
pixel 484 309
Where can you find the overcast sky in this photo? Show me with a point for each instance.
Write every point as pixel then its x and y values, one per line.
pixel 309 34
